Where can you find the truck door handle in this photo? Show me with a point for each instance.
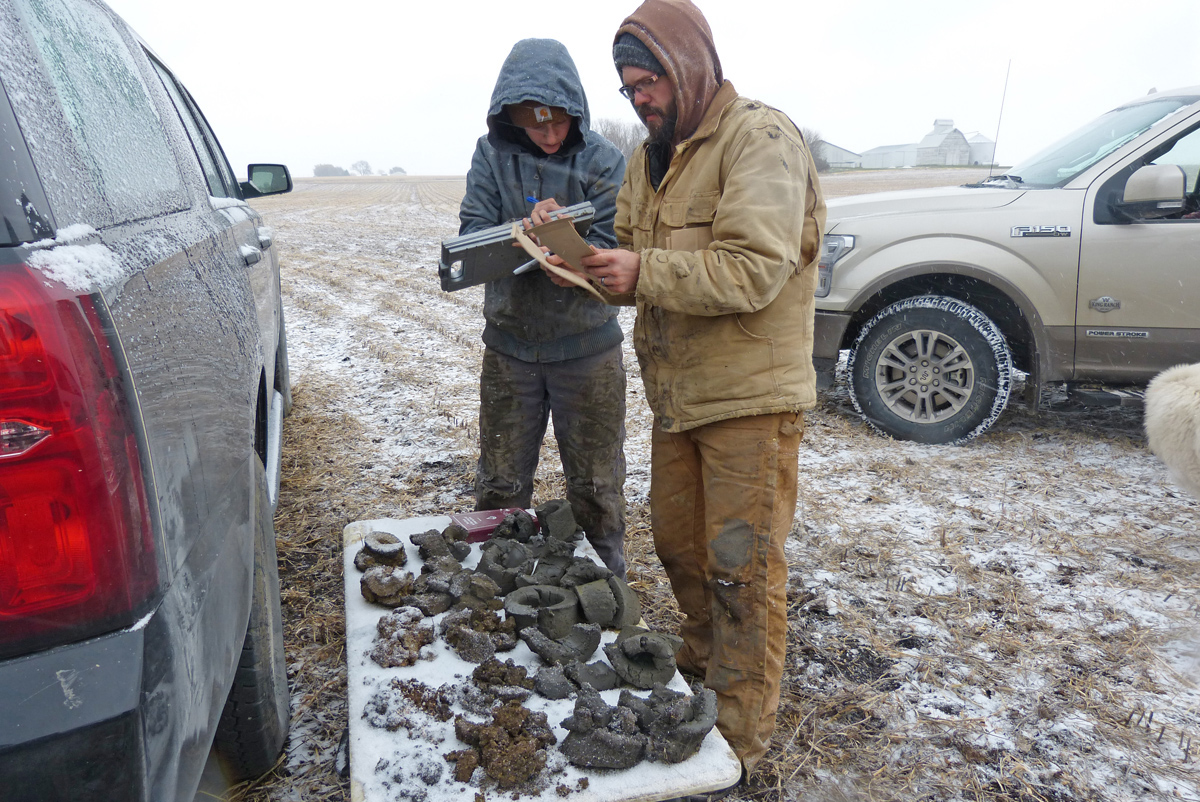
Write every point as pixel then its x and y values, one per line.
pixel 250 254
pixel 264 239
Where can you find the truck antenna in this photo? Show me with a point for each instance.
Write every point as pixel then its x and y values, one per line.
pixel 1003 94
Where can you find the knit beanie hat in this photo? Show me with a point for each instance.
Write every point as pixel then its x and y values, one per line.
pixel 630 51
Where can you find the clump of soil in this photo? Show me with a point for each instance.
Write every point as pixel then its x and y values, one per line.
pixel 380 548
pixel 475 591
pixel 551 609
pixel 602 737
pixel 386 585
pixel 579 644
pixel 644 658
pixel 549 570
pixel 407 781
pixel 675 723
pixel 433 702
pixel 499 681
pixel 401 635
pixel 561 681
pixel 666 726
pixel 557 520
pixel 495 673
pixel 565 790
pixel 476 635
pixel 391 708
pixel 518 526
pixel 511 747
pixel 450 542
pixel 504 559
pixel 582 571
pixel 598 674
pixel 431 590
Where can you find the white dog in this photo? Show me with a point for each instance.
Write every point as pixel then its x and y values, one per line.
pixel 1173 423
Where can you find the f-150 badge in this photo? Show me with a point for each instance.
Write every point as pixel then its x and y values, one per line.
pixel 1105 303
pixel 1041 231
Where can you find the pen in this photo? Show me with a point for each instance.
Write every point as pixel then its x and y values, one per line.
pixel 532 263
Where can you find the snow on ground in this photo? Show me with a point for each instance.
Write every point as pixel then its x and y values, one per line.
pixel 1016 618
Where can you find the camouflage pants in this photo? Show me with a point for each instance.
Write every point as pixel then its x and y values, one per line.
pixel 722 500
pixel 586 400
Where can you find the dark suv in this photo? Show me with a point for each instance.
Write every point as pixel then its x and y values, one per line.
pixel 143 382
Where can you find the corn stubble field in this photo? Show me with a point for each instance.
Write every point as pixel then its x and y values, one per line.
pixel 1015 619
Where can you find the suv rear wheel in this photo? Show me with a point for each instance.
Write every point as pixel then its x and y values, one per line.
pixel 930 369
pixel 254 723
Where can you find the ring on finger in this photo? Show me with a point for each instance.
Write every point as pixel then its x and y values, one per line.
pixel 602 284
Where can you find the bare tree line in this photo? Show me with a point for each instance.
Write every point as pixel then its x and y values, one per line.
pixel 359 167
pixel 628 135
pixel 622 133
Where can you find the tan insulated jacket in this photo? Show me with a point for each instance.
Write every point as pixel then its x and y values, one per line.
pixel 729 247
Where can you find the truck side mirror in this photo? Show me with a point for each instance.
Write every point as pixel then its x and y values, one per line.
pixel 1156 190
pixel 266 179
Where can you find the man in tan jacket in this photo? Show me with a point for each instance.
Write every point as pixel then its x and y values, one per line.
pixel 719 224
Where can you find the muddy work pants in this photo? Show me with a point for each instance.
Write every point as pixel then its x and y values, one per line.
pixel 586 399
pixel 722 500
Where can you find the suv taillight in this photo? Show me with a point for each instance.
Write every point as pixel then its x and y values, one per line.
pixel 77 553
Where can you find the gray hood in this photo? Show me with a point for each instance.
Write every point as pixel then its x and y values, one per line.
pixel 541 70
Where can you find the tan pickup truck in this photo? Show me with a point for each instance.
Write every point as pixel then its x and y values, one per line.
pixel 1079 266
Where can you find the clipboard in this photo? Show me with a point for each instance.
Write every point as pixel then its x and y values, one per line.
pixel 482 256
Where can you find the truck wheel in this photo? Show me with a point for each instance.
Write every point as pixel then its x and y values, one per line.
pixel 254 723
pixel 930 369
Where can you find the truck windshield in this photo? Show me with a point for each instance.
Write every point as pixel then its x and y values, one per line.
pixel 1067 158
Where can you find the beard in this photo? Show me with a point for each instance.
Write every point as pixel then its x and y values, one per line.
pixel 662 129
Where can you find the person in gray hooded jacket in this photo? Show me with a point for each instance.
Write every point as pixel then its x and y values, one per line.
pixel 548 349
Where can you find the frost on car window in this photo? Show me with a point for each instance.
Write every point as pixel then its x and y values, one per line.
pixel 212 174
pixel 107 107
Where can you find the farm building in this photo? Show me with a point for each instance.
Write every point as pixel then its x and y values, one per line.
pixel 943 146
pixel 890 156
pixel 983 149
pixel 839 158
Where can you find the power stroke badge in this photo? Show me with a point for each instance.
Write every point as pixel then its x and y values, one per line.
pixel 1040 231
pixel 1118 334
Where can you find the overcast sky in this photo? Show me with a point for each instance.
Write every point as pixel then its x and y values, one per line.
pixel 406 83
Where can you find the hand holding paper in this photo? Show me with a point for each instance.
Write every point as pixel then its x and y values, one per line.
pixel 564 241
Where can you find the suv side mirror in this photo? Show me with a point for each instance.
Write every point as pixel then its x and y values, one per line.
pixel 1156 190
pixel 266 179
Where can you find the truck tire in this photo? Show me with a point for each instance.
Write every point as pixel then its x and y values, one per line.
pixel 254 724
pixel 930 369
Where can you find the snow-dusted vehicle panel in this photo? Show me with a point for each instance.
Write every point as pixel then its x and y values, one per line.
pixel 1076 266
pixel 142 385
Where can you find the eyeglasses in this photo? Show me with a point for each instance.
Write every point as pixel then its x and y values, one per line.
pixel 643 86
